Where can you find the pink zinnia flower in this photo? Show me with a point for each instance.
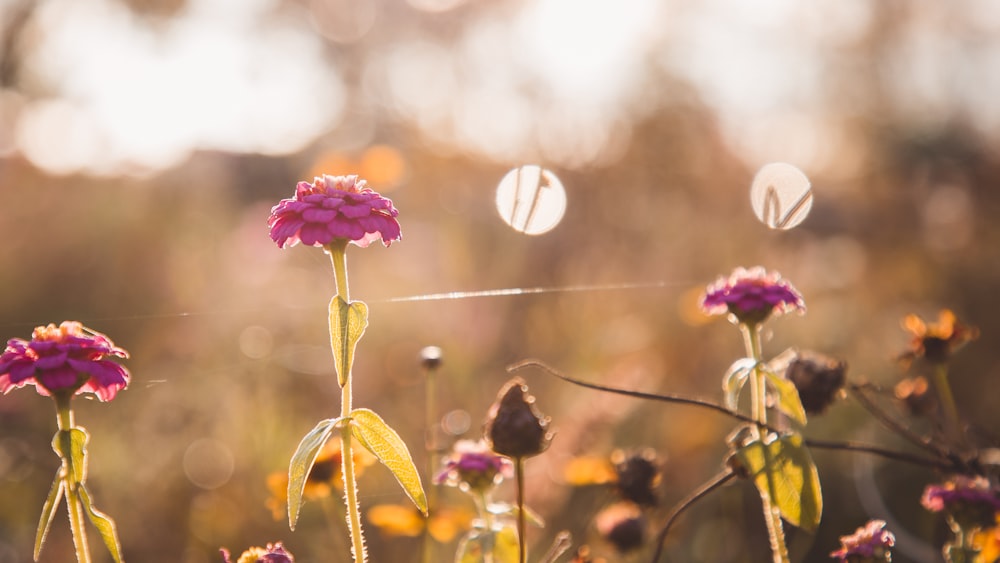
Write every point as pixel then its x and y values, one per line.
pixel 334 207
pixel 473 466
pixel 868 543
pixel 275 553
pixel 69 357
pixel 751 296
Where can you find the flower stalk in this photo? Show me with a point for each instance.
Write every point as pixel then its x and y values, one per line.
pixel 338 256
pixel 64 418
pixel 758 397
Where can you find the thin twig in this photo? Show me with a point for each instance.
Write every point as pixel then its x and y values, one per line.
pixel 942 459
pixel 865 448
pixel 637 394
pixel 714 483
pixel 857 391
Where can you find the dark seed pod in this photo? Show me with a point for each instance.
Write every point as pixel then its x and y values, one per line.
pixel 818 378
pixel 638 476
pixel 515 428
pixel 623 525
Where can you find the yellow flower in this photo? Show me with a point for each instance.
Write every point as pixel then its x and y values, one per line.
pixel 325 475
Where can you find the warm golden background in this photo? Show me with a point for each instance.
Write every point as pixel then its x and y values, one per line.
pixel 143 142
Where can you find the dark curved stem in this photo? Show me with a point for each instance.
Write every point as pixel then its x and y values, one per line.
pixel 714 483
pixel 942 459
pixel 857 392
pixel 629 393
pixel 875 450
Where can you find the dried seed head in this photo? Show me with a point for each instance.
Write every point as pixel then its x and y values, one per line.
pixel 638 476
pixel 623 525
pixel 515 428
pixel 818 379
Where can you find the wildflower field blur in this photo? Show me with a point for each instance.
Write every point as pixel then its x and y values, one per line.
pixel 143 144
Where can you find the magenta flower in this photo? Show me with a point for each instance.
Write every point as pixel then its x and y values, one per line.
pixel 971 501
pixel 869 543
pixel 333 207
pixel 473 466
pixel 751 296
pixel 275 553
pixel 69 358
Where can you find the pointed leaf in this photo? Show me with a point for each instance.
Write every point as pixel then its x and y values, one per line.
pixel 105 525
pixel 784 470
pixel 71 445
pixel 347 323
pixel 301 464
pixel 389 448
pixel 48 513
pixel 736 376
pixel 788 401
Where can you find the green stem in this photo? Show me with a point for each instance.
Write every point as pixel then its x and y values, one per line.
pixel 338 256
pixel 64 418
pixel 758 409
pixel 431 445
pixel 521 542
pixel 951 421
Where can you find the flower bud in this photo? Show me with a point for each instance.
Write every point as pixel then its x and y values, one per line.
pixel 515 428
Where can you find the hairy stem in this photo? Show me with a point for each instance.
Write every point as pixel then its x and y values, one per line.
pixel 338 256
pixel 772 517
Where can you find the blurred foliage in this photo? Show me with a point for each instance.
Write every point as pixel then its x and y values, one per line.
pixel 228 336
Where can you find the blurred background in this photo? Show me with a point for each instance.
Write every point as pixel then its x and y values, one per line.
pixel 143 143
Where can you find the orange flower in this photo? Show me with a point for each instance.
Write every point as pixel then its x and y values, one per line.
pixel 326 473
pixel 936 342
pixel 444 524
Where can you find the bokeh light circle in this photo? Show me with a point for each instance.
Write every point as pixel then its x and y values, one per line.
pixel 781 195
pixel 531 200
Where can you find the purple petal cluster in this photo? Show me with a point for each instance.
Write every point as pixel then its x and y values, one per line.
pixel 68 357
pixel 473 466
pixel 275 553
pixel 330 208
pixel 751 296
pixel 961 491
pixel 871 542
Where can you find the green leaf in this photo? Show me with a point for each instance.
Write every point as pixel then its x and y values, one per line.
pixel 736 376
pixel 489 546
pixel 301 464
pixel 788 397
pixel 348 322
pixel 388 447
pixel 71 446
pixel 784 470
pixel 48 513
pixel 105 525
